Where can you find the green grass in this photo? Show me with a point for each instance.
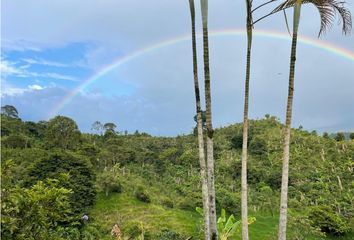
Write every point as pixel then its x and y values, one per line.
pixel 128 211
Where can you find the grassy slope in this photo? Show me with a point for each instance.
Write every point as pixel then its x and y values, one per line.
pixel 128 211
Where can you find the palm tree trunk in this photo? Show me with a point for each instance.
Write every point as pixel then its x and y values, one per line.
pixel 244 205
pixel 202 163
pixel 209 126
pixel 287 131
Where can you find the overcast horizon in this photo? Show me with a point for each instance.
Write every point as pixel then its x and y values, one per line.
pixel 49 49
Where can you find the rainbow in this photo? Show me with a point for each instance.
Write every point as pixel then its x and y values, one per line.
pixel 341 52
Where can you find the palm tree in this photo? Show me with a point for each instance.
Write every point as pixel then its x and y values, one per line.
pixel 202 163
pixel 327 10
pixel 244 205
pixel 209 126
pixel 244 191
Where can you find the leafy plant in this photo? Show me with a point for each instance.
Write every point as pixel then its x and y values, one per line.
pixel 229 227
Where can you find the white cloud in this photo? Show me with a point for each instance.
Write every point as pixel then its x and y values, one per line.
pixel 33 61
pixel 8 90
pixel 35 87
pixel 8 68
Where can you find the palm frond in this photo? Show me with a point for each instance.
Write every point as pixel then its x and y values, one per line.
pixel 328 10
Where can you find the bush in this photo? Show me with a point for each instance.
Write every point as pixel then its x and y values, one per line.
pixel 229 201
pixel 15 141
pixel 168 234
pixel 328 221
pixel 236 141
pixel 142 195
pixel 108 182
pixel 258 146
pixel 136 231
pixel 167 202
pixel 81 177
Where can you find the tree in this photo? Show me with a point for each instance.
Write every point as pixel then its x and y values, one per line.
pixel 36 212
pixel 327 10
pixel 340 136
pixel 325 135
pixel 98 127
pixel 245 137
pixel 351 136
pixel 80 177
pixel 209 126
pixel 9 111
pixel 108 181
pixel 244 205
pixel 200 119
pixel 109 127
pixel 62 132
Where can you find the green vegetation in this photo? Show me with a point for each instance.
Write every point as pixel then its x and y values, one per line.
pixel 151 185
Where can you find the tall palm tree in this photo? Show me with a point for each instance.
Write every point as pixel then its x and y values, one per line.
pixel 202 163
pixel 327 10
pixel 244 205
pixel 244 191
pixel 209 126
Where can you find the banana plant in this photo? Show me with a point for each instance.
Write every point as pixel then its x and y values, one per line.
pixel 228 228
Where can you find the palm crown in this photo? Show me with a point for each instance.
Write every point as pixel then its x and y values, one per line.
pixel 328 10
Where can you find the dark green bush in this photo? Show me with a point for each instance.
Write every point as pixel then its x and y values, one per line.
pixel 142 195
pixel 168 234
pixel 328 221
pixel 236 141
pixel 116 188
pixel 228 201
pixel 15 141
pixel 81 177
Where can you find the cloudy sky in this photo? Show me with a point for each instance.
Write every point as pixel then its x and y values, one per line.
pixel 51 48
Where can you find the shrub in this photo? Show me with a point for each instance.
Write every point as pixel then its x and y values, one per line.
pixel 168 234
pixel 142 195
pixel 15 141
pixel 108 182
pixel 327 220
pixel 225 199
pixel 167 202
pixel 81 177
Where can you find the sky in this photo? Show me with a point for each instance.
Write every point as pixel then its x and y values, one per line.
pixel 130 62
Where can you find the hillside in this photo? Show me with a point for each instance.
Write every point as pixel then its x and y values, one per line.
pixel 150 185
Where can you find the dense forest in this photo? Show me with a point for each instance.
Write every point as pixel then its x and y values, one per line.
pixel 59 183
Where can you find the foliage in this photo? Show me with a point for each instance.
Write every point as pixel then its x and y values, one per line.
pixel 80 177
pixel 351 136
pixel 62 132
pixel 328 221
pixel 9 111
pixel 15 141
pixel 229 227
pixel 36 212
pixel 142 195
pixel 166 171
pixel 168 234
pixel 108 181
pixel 340 136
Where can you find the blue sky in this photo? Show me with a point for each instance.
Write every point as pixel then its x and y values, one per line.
pixel 49 48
